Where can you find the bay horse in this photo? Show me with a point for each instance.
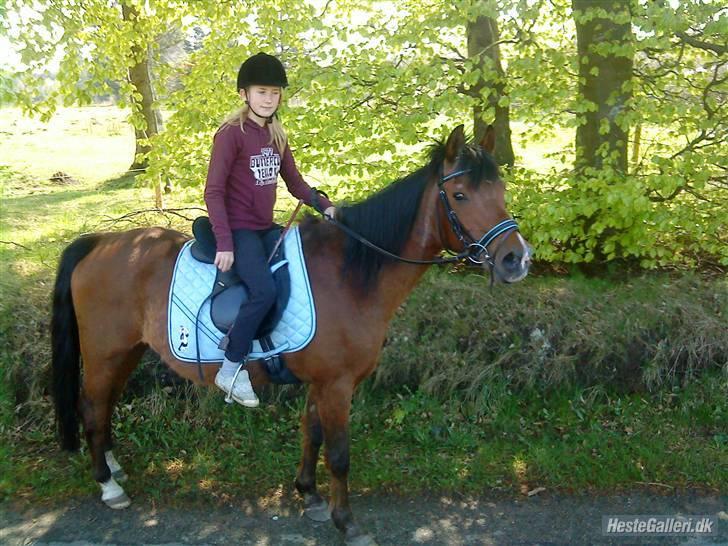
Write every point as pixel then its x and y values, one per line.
pixel 111 296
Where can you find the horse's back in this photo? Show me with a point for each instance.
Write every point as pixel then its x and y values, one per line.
pixel 126 268
pixel 133 248
pixel 155 239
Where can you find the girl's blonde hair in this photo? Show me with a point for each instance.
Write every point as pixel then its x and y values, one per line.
pixel 275 127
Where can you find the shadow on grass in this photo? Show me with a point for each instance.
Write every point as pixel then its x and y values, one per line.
pixel 67 193
pixel 69 210
pixel 125 181
pixel 38 200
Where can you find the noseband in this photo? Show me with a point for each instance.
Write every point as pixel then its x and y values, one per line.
pixel 474 250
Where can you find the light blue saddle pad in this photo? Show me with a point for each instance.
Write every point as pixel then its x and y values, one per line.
pixel 189 305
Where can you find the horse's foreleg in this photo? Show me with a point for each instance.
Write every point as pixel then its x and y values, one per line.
pixel 334 405
pixel 315 507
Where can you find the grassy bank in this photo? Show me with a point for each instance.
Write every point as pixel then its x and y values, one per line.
pixel 185 447
pixel 567 383
pixel 639 333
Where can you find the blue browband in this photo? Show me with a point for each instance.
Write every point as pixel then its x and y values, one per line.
pixel 454 174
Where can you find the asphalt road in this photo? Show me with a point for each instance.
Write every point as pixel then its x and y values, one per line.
pixel 542 519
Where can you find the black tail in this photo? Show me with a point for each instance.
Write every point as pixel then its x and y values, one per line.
pixel 64 341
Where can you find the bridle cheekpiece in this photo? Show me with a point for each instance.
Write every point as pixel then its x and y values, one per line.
pixel 476 250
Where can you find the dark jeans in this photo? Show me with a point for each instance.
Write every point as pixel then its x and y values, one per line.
pixel 251 264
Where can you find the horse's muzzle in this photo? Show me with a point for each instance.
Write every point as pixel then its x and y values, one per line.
pixel 512 264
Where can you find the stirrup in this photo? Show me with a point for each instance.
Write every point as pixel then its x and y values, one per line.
pixel 229 395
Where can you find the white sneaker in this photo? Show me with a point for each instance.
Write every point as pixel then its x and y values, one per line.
pixel 242 392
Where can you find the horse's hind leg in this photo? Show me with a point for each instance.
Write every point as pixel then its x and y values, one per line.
pixel 122 375
pixel 103 381
pixel 315 507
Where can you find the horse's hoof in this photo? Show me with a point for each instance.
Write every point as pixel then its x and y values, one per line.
pixel 119 476
pixel 318 512
pixel 118 503
pixel 361 540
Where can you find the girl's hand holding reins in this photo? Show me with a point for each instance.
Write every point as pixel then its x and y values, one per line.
pixel 330 212
pixel 224 260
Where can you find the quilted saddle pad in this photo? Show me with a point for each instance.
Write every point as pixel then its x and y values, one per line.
pixel 194 338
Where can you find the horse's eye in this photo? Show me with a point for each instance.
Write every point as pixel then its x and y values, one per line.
pixel 459 196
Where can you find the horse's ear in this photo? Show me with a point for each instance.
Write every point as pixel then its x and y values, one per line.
pixel 455 143
pixel 488 140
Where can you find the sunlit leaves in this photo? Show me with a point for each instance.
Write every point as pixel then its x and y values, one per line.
pixel 372 83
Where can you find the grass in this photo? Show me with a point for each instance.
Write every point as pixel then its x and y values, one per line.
pixel 185 445
pixel 91 144
pixel 568 383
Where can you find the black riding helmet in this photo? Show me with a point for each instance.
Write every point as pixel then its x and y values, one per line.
pixel 262 69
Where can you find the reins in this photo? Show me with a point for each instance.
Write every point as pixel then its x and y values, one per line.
pixel 284 231
pixel 473 249
pixel 351 233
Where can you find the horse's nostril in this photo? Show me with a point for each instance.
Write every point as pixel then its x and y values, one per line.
pixel 511 260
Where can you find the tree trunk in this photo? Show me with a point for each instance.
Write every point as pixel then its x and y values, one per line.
pixel 636 141
pixel 140 77
pixel 483 46
pixel 604 81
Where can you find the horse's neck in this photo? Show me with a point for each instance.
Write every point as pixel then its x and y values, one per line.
pixel 398 279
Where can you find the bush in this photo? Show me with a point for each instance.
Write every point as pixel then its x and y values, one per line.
pixel 605 218
pixel 458 339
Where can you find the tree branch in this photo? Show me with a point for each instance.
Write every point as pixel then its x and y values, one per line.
pixel 658 198
pixel 14 243
pixel 701 44
pixel 326 7
pixel 175 212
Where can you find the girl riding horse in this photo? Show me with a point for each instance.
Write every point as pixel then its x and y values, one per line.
pixel 110 304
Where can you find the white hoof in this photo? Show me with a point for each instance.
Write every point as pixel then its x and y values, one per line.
pixel 113 495
pixel 361 540
pixel 118 503
pixel 120 476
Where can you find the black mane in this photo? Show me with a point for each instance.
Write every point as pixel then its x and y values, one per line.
pixel 386 218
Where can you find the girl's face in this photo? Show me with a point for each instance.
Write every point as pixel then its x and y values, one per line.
pixel 264 99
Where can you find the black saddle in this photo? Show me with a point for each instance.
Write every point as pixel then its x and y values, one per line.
pixel 229 291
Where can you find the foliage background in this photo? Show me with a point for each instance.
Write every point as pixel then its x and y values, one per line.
pixel 373 82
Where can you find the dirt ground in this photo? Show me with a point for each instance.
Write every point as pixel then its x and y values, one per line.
pixel 542 519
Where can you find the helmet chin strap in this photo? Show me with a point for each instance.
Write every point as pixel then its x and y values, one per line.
pixel 268 119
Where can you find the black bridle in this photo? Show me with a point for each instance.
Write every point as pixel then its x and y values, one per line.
pixel 472 249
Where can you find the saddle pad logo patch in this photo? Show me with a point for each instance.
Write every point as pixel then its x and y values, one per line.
pixel 184 339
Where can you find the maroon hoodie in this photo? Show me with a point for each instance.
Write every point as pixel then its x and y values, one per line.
pixel 241 181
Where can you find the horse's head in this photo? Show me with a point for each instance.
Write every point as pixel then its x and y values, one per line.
pixel 473 212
